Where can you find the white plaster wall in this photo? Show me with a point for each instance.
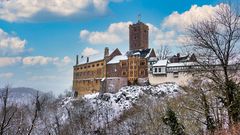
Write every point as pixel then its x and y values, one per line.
pixel 182 79
pixel 163 70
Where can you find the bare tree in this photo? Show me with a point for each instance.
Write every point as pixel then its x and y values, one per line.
pixel 216 42
pixel 7 112
pixel 37 109
pixel 163 52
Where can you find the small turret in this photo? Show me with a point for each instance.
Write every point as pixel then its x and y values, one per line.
pixel 87 59
pixel 76 59
pixel 106 52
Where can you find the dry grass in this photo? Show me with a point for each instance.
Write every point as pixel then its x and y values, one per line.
pixel 234 130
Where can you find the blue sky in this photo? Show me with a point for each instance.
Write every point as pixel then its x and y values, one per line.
pixel 39 40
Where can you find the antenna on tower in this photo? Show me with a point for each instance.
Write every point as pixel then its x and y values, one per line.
pixel 139 17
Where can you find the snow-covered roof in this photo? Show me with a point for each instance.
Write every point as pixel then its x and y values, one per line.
pixel 180 64
pixel 137 53
pixel 148 53
pixel 83 60
pixel 161 63
pixel 144 53
pixel 117 59
pixel 153 59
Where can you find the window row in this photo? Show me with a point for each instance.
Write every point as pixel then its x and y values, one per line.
pixel 89 73
pixel 87 82
pixel 89 66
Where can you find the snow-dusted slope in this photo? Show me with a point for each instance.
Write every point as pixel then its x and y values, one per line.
pixel 113 105
pixel 21 95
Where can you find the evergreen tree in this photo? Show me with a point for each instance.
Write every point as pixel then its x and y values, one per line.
pixel 170 120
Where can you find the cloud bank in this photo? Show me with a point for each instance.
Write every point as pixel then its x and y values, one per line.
pixel 22 10
pixel 116 33
pixel 171 31
pixel 11 45
pixel 90 52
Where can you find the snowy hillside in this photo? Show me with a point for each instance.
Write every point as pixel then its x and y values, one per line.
pixel 21 95
pixel 116 104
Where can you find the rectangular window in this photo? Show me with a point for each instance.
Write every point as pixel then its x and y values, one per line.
pixel 175 74
pixel 124 64
pixel 142 63
pixel 142 72
pixel 155 69
pixel 159 69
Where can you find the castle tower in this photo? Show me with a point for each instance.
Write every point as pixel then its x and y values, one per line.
pixel 138 36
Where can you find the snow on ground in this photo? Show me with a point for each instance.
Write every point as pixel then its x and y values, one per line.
pixel 113 105
pixel 128 95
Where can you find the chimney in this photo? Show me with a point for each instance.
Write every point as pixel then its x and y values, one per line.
pixel 106 52
pixel 76 59
pixel 87 59
pixel 178 55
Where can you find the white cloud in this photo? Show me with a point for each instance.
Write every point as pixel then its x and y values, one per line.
pixel 89 52
pixel 170 32
pixel 37 60
pixel 14 10
pixel 115 34
pixel 42 60
pixel 158 36
pixel 34 60
pixel 194 14
pixel 6 75
pixel 43 78
pixel 66 60
pixel 174 27
pixel 8 61
pixel 10 45
pixel 62 62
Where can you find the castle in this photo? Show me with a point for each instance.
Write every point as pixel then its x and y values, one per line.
pixel 138 66
pixel 116 70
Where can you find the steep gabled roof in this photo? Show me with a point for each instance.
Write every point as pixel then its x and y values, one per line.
pixel 117 59
pixel 83 60
pixel 144 53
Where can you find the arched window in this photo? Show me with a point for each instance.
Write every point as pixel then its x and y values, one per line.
pixel 142 72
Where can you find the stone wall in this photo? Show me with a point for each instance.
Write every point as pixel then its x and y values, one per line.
pixel 116 83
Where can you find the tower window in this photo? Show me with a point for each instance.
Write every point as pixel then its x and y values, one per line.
pixel 142 72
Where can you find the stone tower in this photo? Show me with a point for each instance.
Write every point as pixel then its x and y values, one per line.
pixel 138 36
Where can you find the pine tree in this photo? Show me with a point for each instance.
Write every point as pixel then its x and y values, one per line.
pixel 170 120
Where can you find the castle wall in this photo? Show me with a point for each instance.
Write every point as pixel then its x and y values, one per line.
pixel 87 77
pixel 116 83
pixel 182 78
